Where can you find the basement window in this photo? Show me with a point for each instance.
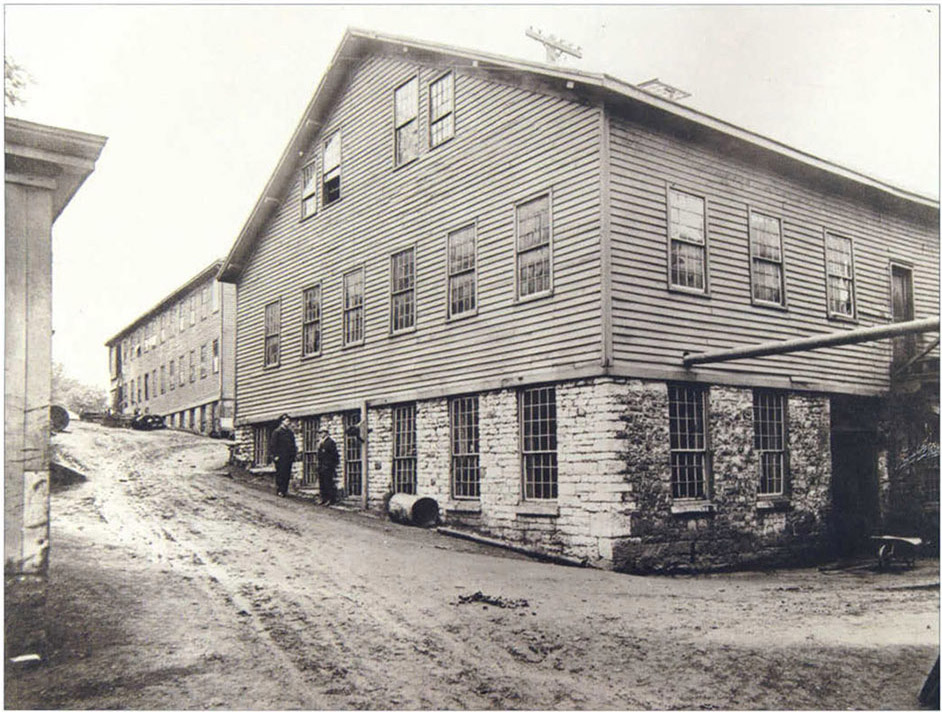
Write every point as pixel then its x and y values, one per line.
pixel 404 449
pixel 769 409
pixel 538 442
pixel 465 448
pixel 688 441
pixel 352 457
pixel 332 169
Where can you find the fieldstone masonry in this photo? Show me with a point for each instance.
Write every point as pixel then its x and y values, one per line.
pixel 614 507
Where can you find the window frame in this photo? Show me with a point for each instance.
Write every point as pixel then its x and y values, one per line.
pixel 182 370
pixel 192 365
pixel 783 305
pixel 680 288
pixel 352 454
pixel 328 174
pixel 204 360
pixel 553 482
pixel 473 270
pixel 781 405
pixel 548 194
pixel 473 456
pixel 310 427
pixel 433 122
pixel 216 355
pixel 347 310
pixel 271 337
pixel 703 395
pixel 415 121
pixel 405 451
pixel 840 316
pixel 172 373
pixel 308 195
pixel 305 323
pixel 393 331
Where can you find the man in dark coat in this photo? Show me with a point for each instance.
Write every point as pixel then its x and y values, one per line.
pixel 283 449
pixel 327 460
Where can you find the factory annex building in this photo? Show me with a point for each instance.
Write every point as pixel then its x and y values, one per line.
pixel 177 360
pixel 496 268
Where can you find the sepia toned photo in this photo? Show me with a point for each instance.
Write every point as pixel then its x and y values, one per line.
pixel 471 357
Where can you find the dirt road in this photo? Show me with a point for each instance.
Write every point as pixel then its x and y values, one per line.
pixel 176 586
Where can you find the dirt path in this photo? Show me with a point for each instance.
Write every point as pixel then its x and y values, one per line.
pixel 175 586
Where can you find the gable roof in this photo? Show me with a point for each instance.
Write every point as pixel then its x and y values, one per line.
pixel 205 274
pixel 358 44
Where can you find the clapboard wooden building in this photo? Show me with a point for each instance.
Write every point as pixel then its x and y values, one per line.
pixel 177 359
pixel 496 268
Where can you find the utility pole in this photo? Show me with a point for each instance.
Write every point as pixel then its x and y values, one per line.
pixel 554 47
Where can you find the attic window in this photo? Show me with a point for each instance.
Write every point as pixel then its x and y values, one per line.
pixel 308 190
pixel 332 169
pixel 441 110
pixel 407 121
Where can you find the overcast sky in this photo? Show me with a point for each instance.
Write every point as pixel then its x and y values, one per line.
pixel 198 103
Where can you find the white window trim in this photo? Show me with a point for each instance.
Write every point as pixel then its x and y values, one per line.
pixel 343 309
pixel 473 225
pixel 320 320
pixel 838 316
pixel 408 329
pixel 783 305
pixel 454 119
pixel 549 290
pixel 705 292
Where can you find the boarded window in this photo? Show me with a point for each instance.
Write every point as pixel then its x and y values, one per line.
pixel 441 109
pixel 311 329
pixel 353 307
pixel 402 290
pixel 768 283
pixel 688 435
pixel 404 449
pixel 840 275
pixel 332 169
pixel 768 409
pixel 687 230
pixel 352 460
pixel 407 121
pixel 308 190
pixel 534 258
pixel 462 272
pixel 465 446
pixel 538 442
pixel 146 386
pixel 272 333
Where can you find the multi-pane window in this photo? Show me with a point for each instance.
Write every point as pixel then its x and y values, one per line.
pixel 768 283
pixel 404 449
pixel 768 412
pixel 193 366
pixel 407 121
pixel 534 259
pixel 182 370
pixel 462 272
pixel 272 333
pixel 311 328
pixel 172 374
pixel 163 379
pixel 309 430
pixel 465 446
pixel 204 360
pixel 687 230
pixel 840 273
pixel 353 307
pixel 402 290
pixel 352 461
pixel 332 168
pixel 215 355
pixel 309 190
pixel 441 110
pixel 538 442
pixel 260 437
pixel 688 434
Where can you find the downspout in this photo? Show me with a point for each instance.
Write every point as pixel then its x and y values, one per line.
pixel 605 240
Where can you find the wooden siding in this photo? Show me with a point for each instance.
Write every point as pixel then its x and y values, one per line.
pixel 655 326
pixel 510 144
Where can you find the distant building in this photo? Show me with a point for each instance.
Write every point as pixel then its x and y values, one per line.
pixel 44 167
pixel 177 359
pixel 484 276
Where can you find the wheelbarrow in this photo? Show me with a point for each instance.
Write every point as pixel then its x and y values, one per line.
pixel 896 548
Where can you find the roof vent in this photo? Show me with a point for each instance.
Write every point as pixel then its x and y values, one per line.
pixel 662 89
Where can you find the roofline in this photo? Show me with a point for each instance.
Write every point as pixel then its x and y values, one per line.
pixel 203 274
pixel 354 38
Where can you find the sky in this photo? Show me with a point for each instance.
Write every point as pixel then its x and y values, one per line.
pixel 199 101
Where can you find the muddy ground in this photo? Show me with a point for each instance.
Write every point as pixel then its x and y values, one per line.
pixel 176 585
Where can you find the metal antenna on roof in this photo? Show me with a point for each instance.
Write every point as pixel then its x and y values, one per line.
pixel 555 47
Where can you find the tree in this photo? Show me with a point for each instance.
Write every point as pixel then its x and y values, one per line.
pixel 15 79
pixel 74 395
